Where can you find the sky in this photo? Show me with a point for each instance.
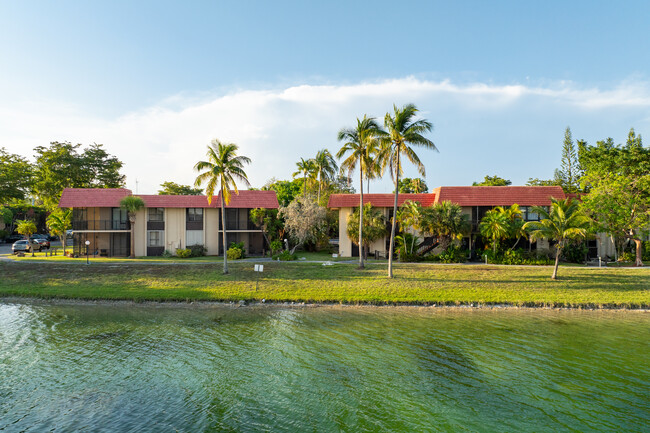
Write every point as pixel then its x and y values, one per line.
pixel 156 81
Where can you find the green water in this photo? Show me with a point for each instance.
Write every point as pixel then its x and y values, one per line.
pixel 128 368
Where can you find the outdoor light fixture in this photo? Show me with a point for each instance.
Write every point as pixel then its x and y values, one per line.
pixel 87 252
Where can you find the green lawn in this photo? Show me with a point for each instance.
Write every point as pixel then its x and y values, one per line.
pixel 313 282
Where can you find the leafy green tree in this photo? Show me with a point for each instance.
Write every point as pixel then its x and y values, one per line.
pixel 495 227
pixel 286 190
pixel 493 181
pixel 446 222
pixel 359 143
pixel 306 168
pixel 27 228
pixel 16 175
pixel 541 182
pixel 562 222
pixel 222 169
pixel 326 168
pixel 61 166
pixel 402 132
pixel 374 226
pixel 618 181
pixel 413 186
pixel 568 176
pixel 58 222
pixel 132 204
pixel 173 188
pixel 268 221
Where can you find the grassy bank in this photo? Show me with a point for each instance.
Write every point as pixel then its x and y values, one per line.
pixel 312 282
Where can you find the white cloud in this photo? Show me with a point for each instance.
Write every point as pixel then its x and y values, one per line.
pixel 511 130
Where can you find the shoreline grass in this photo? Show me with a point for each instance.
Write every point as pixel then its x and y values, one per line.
pixel 414 284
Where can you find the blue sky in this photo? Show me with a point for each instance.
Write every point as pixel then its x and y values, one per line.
pixel 155 80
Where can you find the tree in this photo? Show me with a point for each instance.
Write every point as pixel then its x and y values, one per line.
pixel 326 168
pixel 27 228
pixel 568 176
pixel 132 204
pixel 304 220
pixel 306 168
pixel 562 222
pixel 413 186
pixel 444 221
pixel 16 176
pixel 494 226
pixel 58 222
pixel 402 132
pixel 374 226
pixel 172 188
pixel 358 144
pixel 493 181
pixel 541 182
pixel 61 166
pixel 286 190
pixel 618 180
pixel 268 220
pixel 222 169
pixel 408 215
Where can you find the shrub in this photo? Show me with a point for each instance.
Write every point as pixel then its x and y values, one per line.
pixel 167 254
pixel 3 234
pixel 276 246
pixel 517 257
pixel 184 253
pixel 234 253
pixel 575 252
pixel 197 250
pixel 646 250
pixel 285 256
pixel 627 256
pixel 453 254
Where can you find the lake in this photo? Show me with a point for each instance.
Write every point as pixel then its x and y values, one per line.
pixel 202 368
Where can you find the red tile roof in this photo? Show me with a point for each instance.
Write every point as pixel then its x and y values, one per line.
pixel 499 195
pixel 110 197
pixel 93 197
pixel 378 200
pixel 178 201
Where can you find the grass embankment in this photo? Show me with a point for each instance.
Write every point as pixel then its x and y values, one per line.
pixel 312 282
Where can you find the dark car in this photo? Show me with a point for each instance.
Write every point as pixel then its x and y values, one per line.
pixel 13 238
pixel 21 246
pixel 42 243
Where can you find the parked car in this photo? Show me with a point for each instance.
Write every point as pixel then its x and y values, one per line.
pixel 13 238
pixel 41 242
pixel 21 246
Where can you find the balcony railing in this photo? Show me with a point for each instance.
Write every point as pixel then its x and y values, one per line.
pixel 237 225
pixel 101 225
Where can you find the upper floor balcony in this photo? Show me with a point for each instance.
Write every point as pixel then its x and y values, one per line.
pixel 99 225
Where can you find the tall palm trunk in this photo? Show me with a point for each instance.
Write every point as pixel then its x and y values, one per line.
pixel 304 184
pixel 557 262
pixel 361 216
pixel 394 225
pixel 223 223
pixel 132 223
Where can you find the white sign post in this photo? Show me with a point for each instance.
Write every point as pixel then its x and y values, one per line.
pixel 260 269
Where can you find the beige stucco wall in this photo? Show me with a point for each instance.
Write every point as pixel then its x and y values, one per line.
pixel 174 229
pixel 141 233
pixel 605 245
pixel 211 230
pixel 345 244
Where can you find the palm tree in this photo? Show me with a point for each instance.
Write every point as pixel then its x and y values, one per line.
pixel 495 226
pixel 326 168
pixel 374 225
pixel 132 204
pixel 358 142
pixel 222 168
pixel 563 221
pixel 306 167
pixel 402 131
pixel 445 221
pixel 59 222
pixel 408 215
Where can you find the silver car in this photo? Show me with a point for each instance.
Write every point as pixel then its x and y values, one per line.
pixel 21 246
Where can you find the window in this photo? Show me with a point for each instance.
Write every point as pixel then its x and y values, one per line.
pixel 194 237
pixel 156 214
pixel 195 214
pixel 155 238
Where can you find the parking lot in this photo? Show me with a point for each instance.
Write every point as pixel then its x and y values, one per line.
pixel 6 248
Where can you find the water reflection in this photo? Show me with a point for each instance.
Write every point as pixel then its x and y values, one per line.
pixel 218 368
